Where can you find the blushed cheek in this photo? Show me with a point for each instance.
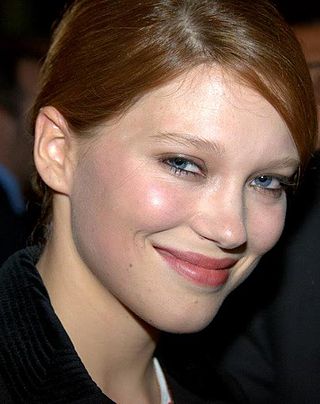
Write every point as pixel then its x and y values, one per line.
pixel 163 206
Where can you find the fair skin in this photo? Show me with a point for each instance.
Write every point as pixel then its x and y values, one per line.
pixel 195 166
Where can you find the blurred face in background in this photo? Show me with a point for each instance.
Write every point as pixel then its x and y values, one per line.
pixel 309 37
pixel 8 135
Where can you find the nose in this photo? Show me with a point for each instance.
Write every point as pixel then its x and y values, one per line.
pixel 221 218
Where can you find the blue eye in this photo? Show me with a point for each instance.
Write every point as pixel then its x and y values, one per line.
pixel 267 181
pixel 182 166
pixel 272 185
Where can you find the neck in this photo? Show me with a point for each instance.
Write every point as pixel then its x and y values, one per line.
pixel 115 346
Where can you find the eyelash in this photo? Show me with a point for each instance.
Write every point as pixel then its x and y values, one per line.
pixel 170 161
pixel 286 184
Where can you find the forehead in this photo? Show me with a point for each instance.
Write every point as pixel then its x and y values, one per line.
pixel 209 106
pixel 207 96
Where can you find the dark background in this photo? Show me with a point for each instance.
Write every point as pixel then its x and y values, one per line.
pixel 34 18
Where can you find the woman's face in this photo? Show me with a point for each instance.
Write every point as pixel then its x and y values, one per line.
pixel 174 204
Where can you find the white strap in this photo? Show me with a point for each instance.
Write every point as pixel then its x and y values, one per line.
pixel 164 391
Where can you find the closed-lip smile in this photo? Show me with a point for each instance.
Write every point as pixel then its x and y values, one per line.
pixel 199 268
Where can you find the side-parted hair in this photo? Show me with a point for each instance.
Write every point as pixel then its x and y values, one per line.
pixel 107 54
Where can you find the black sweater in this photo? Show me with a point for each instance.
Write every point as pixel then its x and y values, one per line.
pixel 38 362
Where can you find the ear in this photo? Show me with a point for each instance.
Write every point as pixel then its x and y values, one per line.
pixel 53 154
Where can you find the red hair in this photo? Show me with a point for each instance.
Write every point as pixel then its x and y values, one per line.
pixel 106 54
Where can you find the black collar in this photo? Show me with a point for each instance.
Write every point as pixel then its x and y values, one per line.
pixel 38 362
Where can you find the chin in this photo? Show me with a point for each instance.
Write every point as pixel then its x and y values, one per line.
pixel 188 322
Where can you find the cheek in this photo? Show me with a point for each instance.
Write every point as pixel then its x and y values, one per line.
pixel 266 227
pixel 157 206
pixel 121 201
pixel 86 207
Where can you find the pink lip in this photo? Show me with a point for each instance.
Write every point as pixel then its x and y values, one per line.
pixel 197 267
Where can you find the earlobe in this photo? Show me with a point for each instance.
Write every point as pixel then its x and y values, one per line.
pixel 53 150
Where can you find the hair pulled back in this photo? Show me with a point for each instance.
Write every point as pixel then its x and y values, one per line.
pixel 106 54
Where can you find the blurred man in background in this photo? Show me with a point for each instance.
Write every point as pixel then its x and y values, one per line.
pixel 19 69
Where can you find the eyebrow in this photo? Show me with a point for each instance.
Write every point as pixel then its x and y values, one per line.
pixel 286 162
pixel 201 144
pixel 188 140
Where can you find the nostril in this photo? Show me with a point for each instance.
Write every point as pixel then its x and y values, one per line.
pixel 222 220
pixel 239 250
pixel 227 244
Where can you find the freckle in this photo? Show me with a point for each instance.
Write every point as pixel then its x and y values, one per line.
pixel 130 265
pixel 196 301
